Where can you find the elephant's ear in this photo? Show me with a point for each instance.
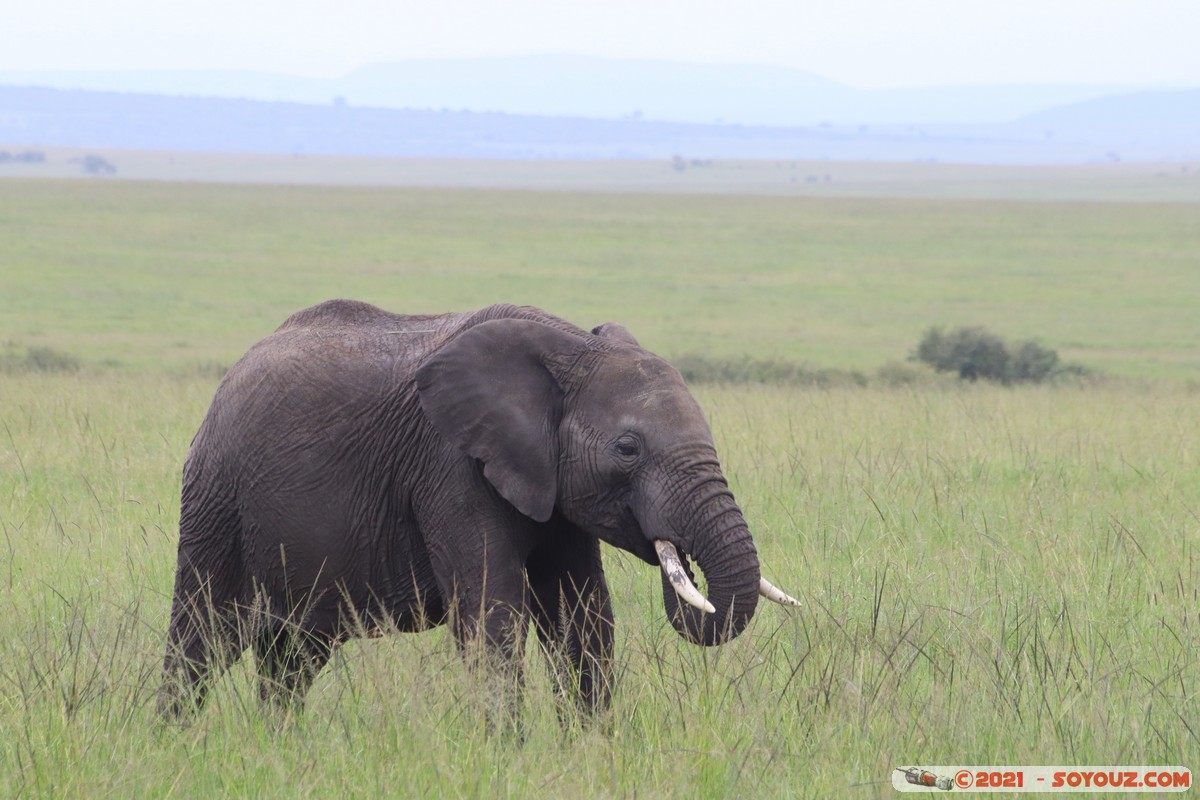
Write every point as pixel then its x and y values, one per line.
pixel 616 331
pixel 490 392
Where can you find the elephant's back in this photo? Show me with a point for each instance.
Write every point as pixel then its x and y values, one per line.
pixel 347 347
pixel 334 364
pixel 342 314
pixel 319 378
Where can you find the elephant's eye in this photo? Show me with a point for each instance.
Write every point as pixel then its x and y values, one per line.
pixel 627 447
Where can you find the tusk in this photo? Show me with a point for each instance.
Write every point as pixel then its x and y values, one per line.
pixel 668 558
pixel 774 595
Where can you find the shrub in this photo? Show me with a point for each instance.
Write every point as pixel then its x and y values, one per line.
pixel 97 165
pixel 971 352
pixel 1032 362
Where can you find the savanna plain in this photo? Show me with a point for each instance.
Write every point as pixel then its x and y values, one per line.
pixel 989 574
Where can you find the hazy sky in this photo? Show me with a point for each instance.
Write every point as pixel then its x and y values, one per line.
pixel 866 43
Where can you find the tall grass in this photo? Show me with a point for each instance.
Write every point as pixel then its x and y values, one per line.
pixel 989 576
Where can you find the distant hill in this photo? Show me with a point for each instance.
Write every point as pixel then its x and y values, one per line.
pixel 1073 134
pixel 576 86
pixel 1176 111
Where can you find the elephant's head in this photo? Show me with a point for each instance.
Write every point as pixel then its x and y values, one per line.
pixel 608 434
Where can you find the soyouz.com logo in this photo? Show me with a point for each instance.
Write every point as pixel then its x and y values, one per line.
pixel 1042 779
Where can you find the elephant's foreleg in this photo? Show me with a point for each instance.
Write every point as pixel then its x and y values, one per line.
pixel 492 641
pixel 488 614
pixel 573 614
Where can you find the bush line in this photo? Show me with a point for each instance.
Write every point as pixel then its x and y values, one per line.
pixel 15 358
pixel 973 353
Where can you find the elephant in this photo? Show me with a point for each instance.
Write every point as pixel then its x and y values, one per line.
pixel 360 471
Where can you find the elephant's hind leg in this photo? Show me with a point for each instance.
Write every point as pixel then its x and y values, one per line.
pixel 288 662
pixel 206 636
pixel 209 629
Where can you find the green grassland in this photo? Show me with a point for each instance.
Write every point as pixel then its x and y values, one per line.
pixel 990 575
pixel 147 275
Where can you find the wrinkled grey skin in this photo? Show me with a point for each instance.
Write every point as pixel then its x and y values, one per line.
pixel 360 470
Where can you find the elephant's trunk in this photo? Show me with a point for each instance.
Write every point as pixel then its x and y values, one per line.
pixel 707 525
